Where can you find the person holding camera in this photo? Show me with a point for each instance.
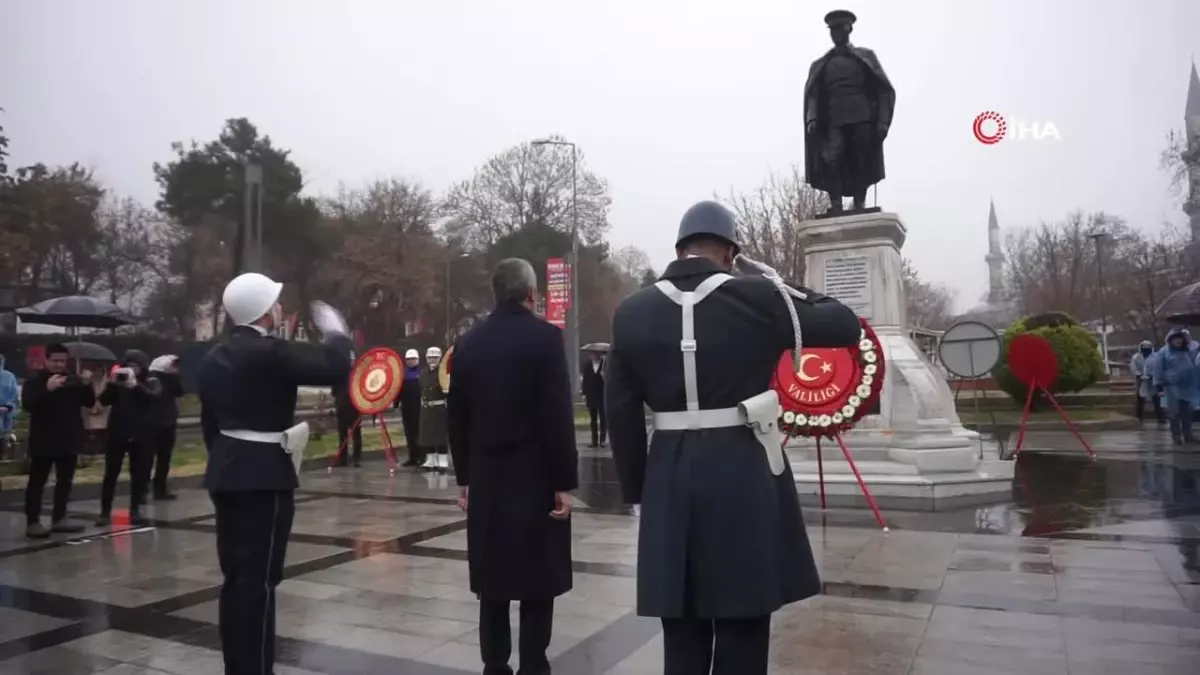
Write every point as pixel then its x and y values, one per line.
pixel 133 394
pixel 164 415
pixel 53 398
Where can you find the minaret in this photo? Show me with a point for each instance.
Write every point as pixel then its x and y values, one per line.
pixel 995 259
pixel 1191 156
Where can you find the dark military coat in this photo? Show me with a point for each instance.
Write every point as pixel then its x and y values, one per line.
pixel 713 517
pixel 432 429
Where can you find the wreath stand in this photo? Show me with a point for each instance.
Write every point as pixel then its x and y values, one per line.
pixel 1033 362
pixel 861 370
pixel 375 381
pixel 388 448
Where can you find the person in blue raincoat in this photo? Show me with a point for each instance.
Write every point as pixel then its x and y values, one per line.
pixel 1177 377
pixel 1140 367
pixel 10 397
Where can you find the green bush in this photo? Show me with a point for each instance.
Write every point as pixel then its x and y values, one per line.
pixel 1079 363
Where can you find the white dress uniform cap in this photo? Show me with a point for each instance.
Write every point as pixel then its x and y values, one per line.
pixel 412 354
pixel 433 351
pixel 249 297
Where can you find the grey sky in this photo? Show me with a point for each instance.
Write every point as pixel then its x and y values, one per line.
pixel 670 99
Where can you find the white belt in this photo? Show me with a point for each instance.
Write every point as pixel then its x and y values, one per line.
pixel 718 418
pixel 275 437
pixel 687 301
pixel 433 403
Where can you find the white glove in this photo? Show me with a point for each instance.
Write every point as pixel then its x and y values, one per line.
pixel 328 320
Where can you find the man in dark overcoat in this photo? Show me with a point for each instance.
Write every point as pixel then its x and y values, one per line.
pixel 722 543
pixel 55 399
pixel 512 432
pixel 248 386
pixel 848 107
pixel 593 395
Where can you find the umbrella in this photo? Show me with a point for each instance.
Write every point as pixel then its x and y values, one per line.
pixel 89 351
pixel 75 311
pixel 601 347
pixel 1182 306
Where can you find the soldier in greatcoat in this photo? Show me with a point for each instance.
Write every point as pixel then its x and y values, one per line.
pixel 248 386
pixel 432 428
pixel 722 544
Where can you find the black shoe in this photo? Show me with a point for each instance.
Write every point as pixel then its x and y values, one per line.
pixel 165 497
pixel 137 519
pixel 67 526
pixel 37 531
pixel 104 520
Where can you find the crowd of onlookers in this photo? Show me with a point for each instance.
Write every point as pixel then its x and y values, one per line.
pixel 129 410
pixel 1169 378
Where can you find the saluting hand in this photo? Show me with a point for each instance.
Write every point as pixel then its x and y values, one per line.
pixel 562 506
pixel 463 496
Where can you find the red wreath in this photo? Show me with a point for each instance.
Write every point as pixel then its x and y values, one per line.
pixel 832 389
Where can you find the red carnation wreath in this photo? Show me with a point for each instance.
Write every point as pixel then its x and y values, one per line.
pixel 832 389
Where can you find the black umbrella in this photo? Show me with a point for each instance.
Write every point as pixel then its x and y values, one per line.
pixel 89 351
pixel 75 311
pixel 1182 306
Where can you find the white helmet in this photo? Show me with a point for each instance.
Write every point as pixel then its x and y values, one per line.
pixel 412 354
pixel 249 297
pixel 432 351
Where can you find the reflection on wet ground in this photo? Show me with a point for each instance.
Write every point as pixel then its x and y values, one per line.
pixel 1088 567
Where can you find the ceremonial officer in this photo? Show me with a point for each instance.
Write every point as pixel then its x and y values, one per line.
pixel 722 544
pixel 432 426
pixel 248 390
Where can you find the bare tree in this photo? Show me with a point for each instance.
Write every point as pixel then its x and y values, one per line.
pixel 631 264
pixel 930 305
pixel 124 250
pixel 770 217
pixel 522 186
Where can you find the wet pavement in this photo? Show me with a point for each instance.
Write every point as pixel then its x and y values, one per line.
pixel 1090 568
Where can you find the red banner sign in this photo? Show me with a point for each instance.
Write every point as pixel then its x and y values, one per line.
pixel 558 291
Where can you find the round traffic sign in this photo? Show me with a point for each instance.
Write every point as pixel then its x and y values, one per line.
pixel 970 349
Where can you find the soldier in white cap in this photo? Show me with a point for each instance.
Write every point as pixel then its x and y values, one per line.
pixel 248 390
pixel 409 403
pixel 433 414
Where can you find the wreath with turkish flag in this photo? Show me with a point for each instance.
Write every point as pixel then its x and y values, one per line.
pixel 829 389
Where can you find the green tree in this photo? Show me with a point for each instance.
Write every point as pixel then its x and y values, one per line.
pixel 203 186
pixel 1079 362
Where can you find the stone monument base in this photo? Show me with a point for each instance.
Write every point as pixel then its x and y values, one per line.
pixel 915 453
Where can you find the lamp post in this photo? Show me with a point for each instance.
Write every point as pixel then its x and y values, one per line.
pixel 1097 237
pixel 251 240
pixel 573 261
pixel 450 261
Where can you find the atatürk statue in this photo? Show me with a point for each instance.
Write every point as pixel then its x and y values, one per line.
pixel 848 105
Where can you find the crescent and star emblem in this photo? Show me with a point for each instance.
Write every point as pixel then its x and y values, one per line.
pixel 802 374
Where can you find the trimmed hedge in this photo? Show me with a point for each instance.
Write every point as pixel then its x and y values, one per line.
pixel 1079 362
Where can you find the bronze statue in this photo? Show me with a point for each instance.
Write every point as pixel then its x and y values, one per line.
pixel 848 105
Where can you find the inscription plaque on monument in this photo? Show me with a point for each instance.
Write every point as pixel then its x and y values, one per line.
pixel 848 280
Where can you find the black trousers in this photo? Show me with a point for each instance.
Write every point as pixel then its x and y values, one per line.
pixel 599 420
pixel 695 646
pixel 495 636
pixel 1158 409
pixel 252 537
pixel 346 418
pixel 163 446
pixel 410 415
pixel 39 473
pixel 847 151
pixel 140 458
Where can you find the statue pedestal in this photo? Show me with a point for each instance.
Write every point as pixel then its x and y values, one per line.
pixel 915 453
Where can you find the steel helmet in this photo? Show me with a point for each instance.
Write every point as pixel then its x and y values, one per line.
pixel 712 219
pixel 412 354
pixel 249 297
pixel 433 351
